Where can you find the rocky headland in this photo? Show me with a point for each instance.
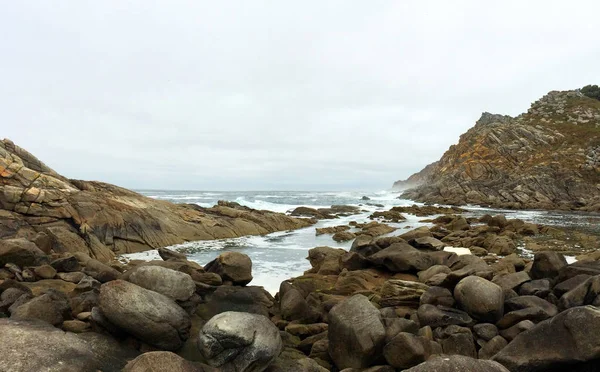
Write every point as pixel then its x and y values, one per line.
pixel 546 158
pixel 100 220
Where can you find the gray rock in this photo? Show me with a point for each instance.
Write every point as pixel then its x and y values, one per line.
pixel 547 265
pixel 164 361
pixel 440 316
pixel 511 281
pixel 291 360
pixel 240 342
pixel 406 350
pixel 20 252
pixel 38 346
pixel 401 257
pixel 51 307
pixel 437 296
pixel 150 316
pixel 458 363
pixel 171 283
pixel 233 266
pixel 492 347
pixel 559 343
pixel 356 334
pixel 395 292
pixel 99 271
pixel 480 298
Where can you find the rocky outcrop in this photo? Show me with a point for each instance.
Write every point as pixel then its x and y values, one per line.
pixel 546 158
pixel 101 220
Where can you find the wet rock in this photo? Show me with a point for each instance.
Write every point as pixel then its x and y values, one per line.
pixel 150 316
pixel 168 254
pixel 233 266
pixel 356 334
pixel 343 236
pixel 480 298
pixel 171 283
pixel 239 342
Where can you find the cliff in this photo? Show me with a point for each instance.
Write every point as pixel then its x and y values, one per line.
pixel 546 158
pixel 101 220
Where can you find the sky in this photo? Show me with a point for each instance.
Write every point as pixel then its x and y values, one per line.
pixel 275 95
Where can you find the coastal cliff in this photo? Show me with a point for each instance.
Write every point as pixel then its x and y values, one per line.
pixel 101 220
pixel 546 158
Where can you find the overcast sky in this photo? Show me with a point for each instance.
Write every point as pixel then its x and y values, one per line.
pixel 249 95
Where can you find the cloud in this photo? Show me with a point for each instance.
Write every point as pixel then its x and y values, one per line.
pixel 275 95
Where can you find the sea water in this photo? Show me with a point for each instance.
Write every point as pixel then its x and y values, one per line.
pixel 282 255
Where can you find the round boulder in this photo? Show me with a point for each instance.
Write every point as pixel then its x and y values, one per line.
pixel 171 283
pixel 480 298
pixel 239 342
pixel 233 266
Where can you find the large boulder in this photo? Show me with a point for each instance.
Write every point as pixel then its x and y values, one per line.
pixel 20 252
pixel 292 360
pixel 251 299
pixel 557 344
pixel 586 293
pixel 38 346
pixel 458 363
pixel 441 316
pixel 51 307
pixel 150 316
pixel 547 265
pixel 164 361
pixel 240 342
pixel 407 350
pixel 396 292
pixel 232 266
pixel 402 257
pixel 480 298
pixel 171 283
pixel 356 334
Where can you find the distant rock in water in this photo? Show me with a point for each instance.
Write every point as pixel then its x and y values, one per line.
pixel 547 158
pixel 101 220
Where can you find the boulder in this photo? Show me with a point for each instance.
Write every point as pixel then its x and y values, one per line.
pixel 485 331
pixel 240 342
pixel 343 236
pixel 480 298
pixel 416 233
pixel 99 271
pixel 150 316
pixel 171 283
pixel 441 316
pixel 38 346
pixel 511 281
pixel 401 257
pixel 294 307
pixel 232 266
pixel 251 299
pixel 292 360
pixel 325 260
pixel 557 344
pixel 526 308
pixel 168 254
pixel 406 350
pixel 356 334
pixel 547 265
pixel 395 292
pixel 51 307
pixel 492 347
pixel 427 243
pixel 164 361
pixel 66 264
pixel 458 363
pixel 437 296
pixel 20 252
pixel 45 272
pixel 586 293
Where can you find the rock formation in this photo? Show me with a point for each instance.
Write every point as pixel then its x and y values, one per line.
pixel 547 158
pixel 102 220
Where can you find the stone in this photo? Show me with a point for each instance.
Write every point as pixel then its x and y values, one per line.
pixel 406 350
pixel 437 296
pixel 395 292
pixel 75 326
pixel 66 264
pixel 510 333
pixel 306 330
pixel 74 277
pixel 293 306
pixel 480 298
pixel 250 299
pixel 239 342
pixel 291 360
pixel 343 236
pixel 526 308
pixel 393 326
pixel 164 361
pixel 233 266
pixel 559 343
pixel 99 271
pixel 20 252
pixel 539 287
pixel 356 334
pixel 401 257
pixel 492 347
pixel 511 281
pixel 150 316
pixel 485 331
pixel 569 284
pixel 440 316
pixel 457 363
pixel 427 243
pixel 45 272
pixel 169 254
pixel 38 346
pixel 171 283
pixel 425 275
pixel 51 307
pixel 547 265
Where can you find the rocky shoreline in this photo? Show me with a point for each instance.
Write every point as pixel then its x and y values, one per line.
pixel 390 303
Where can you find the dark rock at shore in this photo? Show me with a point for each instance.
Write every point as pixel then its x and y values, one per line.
pixel 164 361
pixel 233 266
pixel 458 363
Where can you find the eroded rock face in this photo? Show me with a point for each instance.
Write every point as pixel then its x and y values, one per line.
pixel 150 316
pixel 356 334
pixel 514 162
pixel 100 219
pixel 240 342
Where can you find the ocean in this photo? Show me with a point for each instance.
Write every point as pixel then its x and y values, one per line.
pixel 282 255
